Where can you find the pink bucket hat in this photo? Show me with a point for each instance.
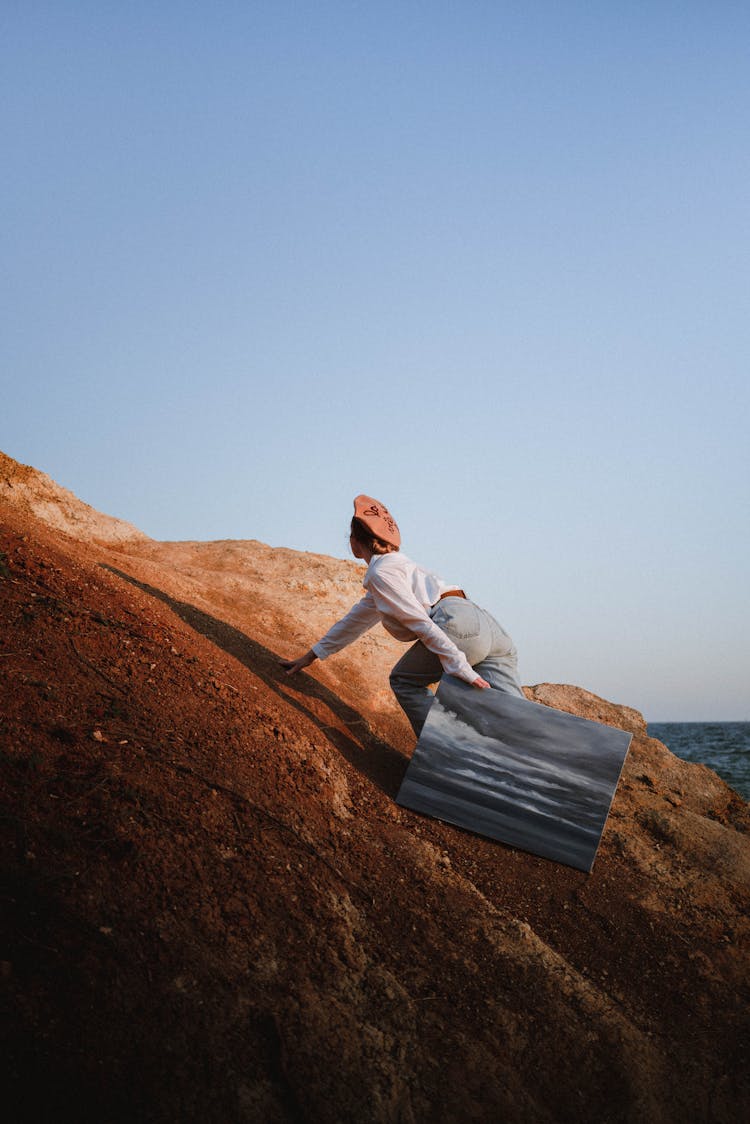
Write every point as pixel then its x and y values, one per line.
pixel 378 519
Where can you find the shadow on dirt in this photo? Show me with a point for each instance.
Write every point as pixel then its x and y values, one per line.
pixel 374 758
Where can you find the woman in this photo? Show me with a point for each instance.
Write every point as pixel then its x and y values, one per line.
pixel 451 633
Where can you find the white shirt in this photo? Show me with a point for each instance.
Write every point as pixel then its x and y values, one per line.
pixel 400 594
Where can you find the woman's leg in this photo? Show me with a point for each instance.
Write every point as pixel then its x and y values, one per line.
pixel 410 682
pixel 469 629
pixel 483 641
pixel 500 666
pixel 501 672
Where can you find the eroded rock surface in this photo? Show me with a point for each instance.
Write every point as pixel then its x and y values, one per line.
pixel 26 488
pixel 213 910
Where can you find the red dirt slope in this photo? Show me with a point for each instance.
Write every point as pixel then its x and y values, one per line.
pixel 213 910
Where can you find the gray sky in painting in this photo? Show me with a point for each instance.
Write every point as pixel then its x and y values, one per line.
pixel 522 773
pixel 563 744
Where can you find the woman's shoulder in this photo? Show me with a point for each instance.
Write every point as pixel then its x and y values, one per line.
pixel 392 560
pixel 392 563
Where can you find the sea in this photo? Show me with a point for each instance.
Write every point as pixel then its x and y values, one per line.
pixel 723 746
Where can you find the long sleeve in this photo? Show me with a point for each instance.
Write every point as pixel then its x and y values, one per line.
pixel 394 599
pixel 357 621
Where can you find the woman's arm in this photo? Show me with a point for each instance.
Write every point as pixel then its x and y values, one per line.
pixel 394 598
pixel 293 666
pixel 357 621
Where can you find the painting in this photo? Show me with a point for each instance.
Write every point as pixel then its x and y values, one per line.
pixel 519 772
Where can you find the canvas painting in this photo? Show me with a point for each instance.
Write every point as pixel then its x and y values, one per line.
pixel 519 772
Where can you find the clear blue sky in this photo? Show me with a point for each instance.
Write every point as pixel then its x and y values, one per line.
pixel 489 262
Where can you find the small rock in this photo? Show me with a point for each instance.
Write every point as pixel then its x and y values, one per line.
pixel 98 736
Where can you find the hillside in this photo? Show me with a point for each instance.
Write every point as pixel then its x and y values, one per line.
pixel 27 489
pixel 214 911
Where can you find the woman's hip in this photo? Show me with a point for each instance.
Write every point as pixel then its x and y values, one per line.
pixel 472 629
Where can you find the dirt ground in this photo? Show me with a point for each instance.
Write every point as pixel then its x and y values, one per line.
pixel 212 908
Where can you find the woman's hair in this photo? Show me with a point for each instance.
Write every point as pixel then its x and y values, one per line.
pixel 366 538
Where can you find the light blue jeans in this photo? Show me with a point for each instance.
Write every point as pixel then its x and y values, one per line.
pixel 486 645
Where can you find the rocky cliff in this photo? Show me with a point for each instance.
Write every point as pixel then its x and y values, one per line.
pixel 28 489
pixel 213 910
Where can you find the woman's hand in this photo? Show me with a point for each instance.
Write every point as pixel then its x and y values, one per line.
pixel 479 682
pixel 293 666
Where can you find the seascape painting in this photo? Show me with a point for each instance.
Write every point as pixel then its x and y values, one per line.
pixel 516 771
